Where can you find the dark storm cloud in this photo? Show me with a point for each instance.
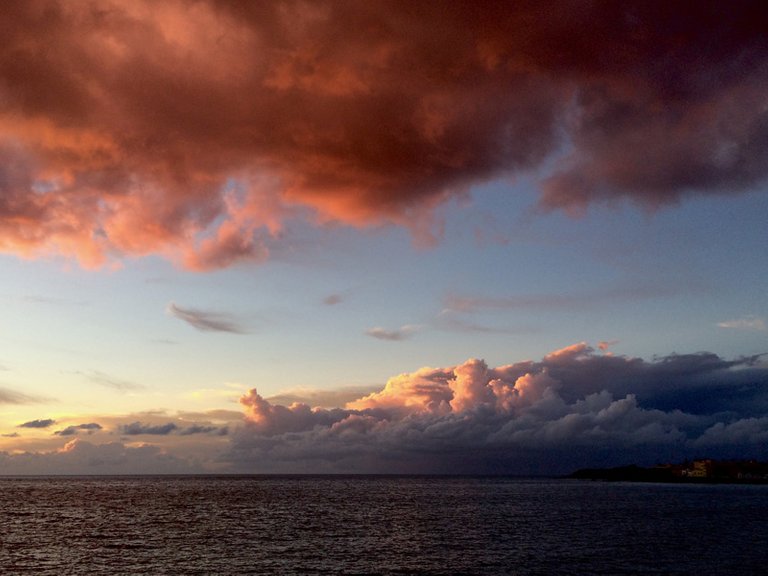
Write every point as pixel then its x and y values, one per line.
pixel 575 407
pixel 206 321
pixel 193 130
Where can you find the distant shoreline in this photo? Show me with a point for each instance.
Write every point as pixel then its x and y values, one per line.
pixel 696 472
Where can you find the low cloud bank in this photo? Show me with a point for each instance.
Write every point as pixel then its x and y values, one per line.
pixel 575 407
pixel 83 457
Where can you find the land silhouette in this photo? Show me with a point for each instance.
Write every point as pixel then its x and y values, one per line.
pixel 693 471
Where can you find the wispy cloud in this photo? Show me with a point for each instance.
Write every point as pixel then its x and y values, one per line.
pixel 112 382
pixel 402 333
pixel 745 323
pixel 52 300
pixel 450 320
pixel 333 299
pixel 322 398
pixel 473 303
pixel 205 320
pixel 8 396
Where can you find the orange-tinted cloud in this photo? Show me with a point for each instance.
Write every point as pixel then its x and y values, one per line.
pixel 571 409
pixel 195 128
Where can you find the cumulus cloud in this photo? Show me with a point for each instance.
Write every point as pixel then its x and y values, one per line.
pixel 45 423
pixel 89 428
pixel 193 131
pixel 206 321
pixel 746 323
pixel 575 407
pixel 402 333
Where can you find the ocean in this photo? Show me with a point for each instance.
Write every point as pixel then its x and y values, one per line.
pixel 307 525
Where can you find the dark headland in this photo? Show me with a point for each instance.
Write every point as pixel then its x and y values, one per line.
pixel 693 471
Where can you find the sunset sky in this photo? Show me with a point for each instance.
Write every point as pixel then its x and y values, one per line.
pixel 381 236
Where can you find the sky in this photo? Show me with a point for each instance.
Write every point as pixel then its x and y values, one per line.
pixel 381 237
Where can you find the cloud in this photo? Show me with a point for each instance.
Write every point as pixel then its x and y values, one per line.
pixel 206 321
pixel 199 429
pixel 38 423
pixel 746 323
pixel 90 428
pixel 451 320
pixel 470 304
pixel 178 442
pixel 137 429
pixel 402 333
pixel 333 299
pixel 575 407
pixel 108 381
pixel 82 457
pixel 8 396
pixel 196 130
pixel 604 345
pixel 322 398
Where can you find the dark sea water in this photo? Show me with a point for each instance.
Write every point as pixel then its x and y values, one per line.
pixel 378 525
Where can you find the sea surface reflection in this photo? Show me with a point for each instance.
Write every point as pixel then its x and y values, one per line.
pixel 377 525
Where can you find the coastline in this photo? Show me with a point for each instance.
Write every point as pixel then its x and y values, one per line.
pixel 696 472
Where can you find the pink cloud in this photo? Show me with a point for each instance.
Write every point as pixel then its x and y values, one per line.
pixel 124 127
pixel 573 407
